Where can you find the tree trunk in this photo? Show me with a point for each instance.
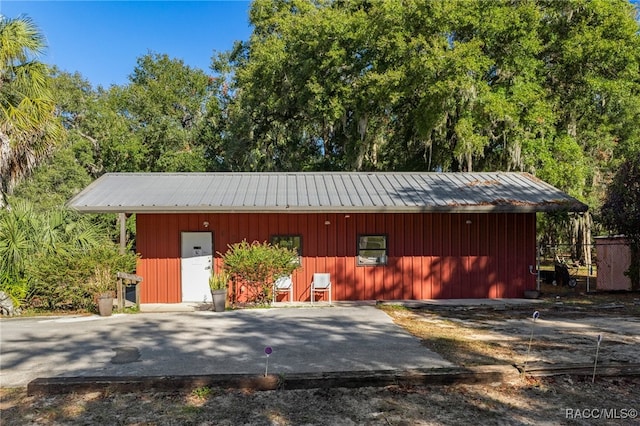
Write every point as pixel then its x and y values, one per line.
pixel 588 221
pixel 581 238
pixel 572 125
pixel 5 152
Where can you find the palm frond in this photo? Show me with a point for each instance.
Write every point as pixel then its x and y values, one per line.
pixel 20 39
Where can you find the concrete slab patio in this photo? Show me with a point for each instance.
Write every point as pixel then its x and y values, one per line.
pixel 303 339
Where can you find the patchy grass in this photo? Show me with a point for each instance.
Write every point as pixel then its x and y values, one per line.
pixel 564 300
pixel 201 393
pixel 40 312
pixel 534 401
pixel 454 341
pixel 32 312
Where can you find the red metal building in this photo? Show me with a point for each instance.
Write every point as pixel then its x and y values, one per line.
pixel 381 236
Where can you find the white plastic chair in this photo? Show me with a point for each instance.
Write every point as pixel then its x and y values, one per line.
pixel 282 285
pixel 321 282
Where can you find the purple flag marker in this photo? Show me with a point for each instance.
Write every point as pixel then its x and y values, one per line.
pixel 267 351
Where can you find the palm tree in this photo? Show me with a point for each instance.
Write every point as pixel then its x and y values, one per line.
pixel 28 236
pixel 28 127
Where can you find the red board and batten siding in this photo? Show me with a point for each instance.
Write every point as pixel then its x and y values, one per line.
pixel 430 255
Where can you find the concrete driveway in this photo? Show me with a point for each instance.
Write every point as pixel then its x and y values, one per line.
pixel 306 339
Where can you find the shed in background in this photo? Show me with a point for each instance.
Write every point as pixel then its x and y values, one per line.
pixel 613 259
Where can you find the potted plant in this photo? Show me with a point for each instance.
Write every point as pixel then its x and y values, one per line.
pixel 103 286
pixel 218 285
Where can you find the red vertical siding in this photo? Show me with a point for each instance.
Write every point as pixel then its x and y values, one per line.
pixel 430 255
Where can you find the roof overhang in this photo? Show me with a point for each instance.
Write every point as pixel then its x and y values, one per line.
pixel 317 192
pixel 210 209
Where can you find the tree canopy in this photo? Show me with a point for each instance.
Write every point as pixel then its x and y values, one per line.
pixel 546 87
pixel 152 124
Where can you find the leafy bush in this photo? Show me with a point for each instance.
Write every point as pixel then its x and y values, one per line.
pixel 48 257
pixel 72 279
pixel 16 289
pixel 257 265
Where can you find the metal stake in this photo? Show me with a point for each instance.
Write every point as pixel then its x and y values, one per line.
pixel 536 315
pixel 595 364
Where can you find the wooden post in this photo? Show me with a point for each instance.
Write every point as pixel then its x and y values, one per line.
pixel 120 294
pixel 138 294
pixel 125 280
pixel 123 232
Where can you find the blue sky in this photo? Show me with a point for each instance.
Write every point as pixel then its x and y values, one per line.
pixel 103 39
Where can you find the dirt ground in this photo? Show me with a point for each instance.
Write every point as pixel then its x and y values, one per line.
pixel 565 332
pixel 550 401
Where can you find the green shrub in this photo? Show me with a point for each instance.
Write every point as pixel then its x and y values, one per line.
pixel 16 289
pixel 48 258
pixel 257 265
pixel 69 280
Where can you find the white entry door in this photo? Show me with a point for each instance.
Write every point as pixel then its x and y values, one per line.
pixel 196 263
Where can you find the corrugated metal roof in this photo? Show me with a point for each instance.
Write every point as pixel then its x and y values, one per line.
pixel 322 192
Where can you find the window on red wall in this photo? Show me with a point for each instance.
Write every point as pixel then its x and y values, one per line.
pixel 372 250
pixel 292 242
